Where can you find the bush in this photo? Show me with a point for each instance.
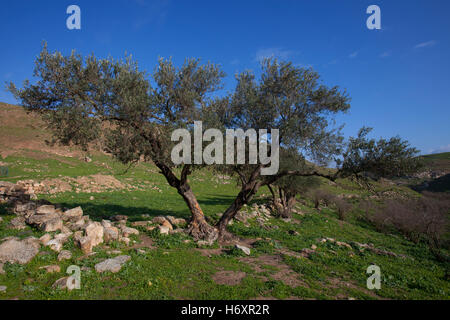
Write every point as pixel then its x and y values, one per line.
pixel 343 207
pixel 320 195
pixel 423 219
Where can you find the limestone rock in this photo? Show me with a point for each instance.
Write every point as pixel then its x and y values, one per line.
pixel 163 230
pixel 46 209
pixel 126 231
pixel 167 224
pixel 64 255
pixel 18 223
pixel 72 213
pixel 52 225
pixel 159 219
pixel 61 284
pixel 114 265
pixel 244 249
pixel 110 234
pixel 93 237
pixel 119 217
pixel 51 269
pixel 15 251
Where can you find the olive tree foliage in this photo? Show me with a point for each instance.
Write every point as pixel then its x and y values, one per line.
pixel 285 190
pixel 365 158
pixel 88 99
pixel 292 100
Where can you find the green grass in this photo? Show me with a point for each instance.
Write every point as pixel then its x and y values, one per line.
pixel 177 270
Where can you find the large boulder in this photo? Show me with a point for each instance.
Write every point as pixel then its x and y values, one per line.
pixel 93 237
pixel 18 251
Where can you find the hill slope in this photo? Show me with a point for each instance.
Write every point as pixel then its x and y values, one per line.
pixel 314 255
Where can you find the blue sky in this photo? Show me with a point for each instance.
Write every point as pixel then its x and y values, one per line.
pixel 398 77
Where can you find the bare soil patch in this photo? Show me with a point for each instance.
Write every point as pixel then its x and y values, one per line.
pixel 230 278
pixel 284 273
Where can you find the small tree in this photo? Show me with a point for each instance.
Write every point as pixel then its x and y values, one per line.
pixel 285 190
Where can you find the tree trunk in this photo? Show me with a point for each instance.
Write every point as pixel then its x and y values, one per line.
pixel 199 229
pixel 244 197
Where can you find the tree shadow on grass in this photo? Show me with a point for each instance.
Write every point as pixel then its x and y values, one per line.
pixel 106 211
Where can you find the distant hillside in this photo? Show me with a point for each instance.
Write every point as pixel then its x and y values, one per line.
pixel 22 133
pixel 438 162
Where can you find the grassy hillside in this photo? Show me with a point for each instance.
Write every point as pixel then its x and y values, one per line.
pixel 172 267
pixel 437 162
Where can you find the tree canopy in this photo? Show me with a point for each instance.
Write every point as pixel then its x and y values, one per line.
pixel 87 99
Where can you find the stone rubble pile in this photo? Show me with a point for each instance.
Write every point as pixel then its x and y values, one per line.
pixel 262 213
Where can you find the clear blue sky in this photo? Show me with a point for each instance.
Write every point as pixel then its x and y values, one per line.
pixel 398 77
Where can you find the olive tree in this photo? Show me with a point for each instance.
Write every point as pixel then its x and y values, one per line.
pixel 83 100
pixel 292 100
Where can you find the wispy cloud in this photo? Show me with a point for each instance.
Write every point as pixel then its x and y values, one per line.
pixel 425 44
pixel 441 149
pixel 152 12
pixel 279 53
pixel 385 54
pixel 353 55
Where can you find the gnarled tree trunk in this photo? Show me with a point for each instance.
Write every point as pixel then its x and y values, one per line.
pixel 244 197
pixel 199 229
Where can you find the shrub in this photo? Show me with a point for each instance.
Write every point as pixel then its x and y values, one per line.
pixel 320 195
pixel 422 219
pixel 343 207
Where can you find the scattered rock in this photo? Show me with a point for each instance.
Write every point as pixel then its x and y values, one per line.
pixel 244 249
pixel 61 284
pixel 15 251
pixel 167 224
pixel 119 217
pixel 110 234
pixel 163 230
pixel 114 265
pixel 55 245
pixel 18 223
pixel 159 220
pixel 93 237
pixel 127 231
pixel 3 288
pixel 313 247
pixel 45 209
pixel 176 221
pixel 139 223
pixel 64 255
pixel 125 240
pixel 51 269
pixel 52 225
pixel 72 214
